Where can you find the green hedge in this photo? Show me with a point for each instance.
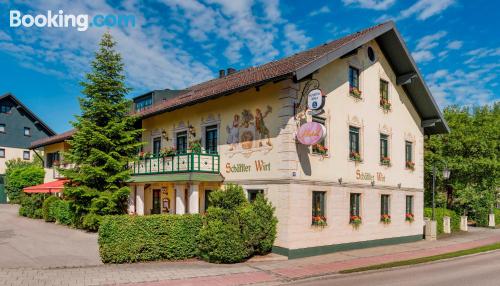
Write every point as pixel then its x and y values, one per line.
pixel 31 205
pixel 497 216
pixel 125 238
pixel 47 210
pixel 61 212
pixel 440 213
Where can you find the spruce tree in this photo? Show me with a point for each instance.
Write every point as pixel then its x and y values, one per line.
pixel 105 139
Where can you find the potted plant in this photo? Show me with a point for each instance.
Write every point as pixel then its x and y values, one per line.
pixel 168 151
pixel 409 217
pixel 410 165
pixel 355 221
pixel 385 161
pixel 319 220
pixel 195 146
pixel 385 104
pixel 355 92
pixel 141 155
pixel 355 156
pixel 320 149
pixel 385 218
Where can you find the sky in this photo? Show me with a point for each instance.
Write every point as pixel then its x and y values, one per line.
pixel 177 43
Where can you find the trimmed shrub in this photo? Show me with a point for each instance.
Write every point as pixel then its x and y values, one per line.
pixel 47 213
pixel 20 174
pixel 230 199
pixel 61 211
pixel 125 238
pixel 440 213
pixel 30 204
pixel 91 222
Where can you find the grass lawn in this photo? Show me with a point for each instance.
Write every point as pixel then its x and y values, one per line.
pixel 425 259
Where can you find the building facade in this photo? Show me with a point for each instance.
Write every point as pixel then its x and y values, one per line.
pixel 19 126
pixel 360 185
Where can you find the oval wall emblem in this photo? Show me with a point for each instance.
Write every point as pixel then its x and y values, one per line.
pixel 311 133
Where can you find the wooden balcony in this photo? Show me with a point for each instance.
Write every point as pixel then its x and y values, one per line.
pixel 178 163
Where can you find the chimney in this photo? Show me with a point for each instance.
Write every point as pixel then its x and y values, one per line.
pixel 222 73
pixel 230 71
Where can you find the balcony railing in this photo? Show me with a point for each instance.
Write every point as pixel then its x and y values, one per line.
pixel 179 163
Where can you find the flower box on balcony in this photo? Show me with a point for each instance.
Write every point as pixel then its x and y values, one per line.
pixel 355 156
pixel 385 104
pixel 320 149
pixel 385 161
pixel 355 221
pixel 409 217
pixel 355 92
pixel 410 165
pixel 385 218
pixel 319 221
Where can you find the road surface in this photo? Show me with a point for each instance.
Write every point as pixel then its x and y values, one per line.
pixel 481 270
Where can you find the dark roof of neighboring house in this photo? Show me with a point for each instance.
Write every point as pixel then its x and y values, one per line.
pixel 303 64
pixel 28 111
pixel 53 139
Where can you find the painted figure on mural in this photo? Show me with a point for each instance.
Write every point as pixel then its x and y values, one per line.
pixel 260 126
pixel 234 132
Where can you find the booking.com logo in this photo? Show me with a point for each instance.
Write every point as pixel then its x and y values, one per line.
pixel 61 20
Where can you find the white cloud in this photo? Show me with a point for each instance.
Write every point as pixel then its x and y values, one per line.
pixel 481 53
pixel 425 9
pixel 296 40
pixel 422 56
pixel 323 10
pixel 455 45
pixel 370 4
pixel 430 41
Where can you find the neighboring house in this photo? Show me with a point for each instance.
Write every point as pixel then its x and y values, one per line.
pixel 370 164
pixel 19 126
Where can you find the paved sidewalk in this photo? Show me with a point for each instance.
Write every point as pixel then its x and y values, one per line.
pixel 196 272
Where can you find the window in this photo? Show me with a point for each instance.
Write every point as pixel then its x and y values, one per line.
pixel 156 146
pixel 207 199
pixel 353 77
pixel 2 128
pixel 26 155
pixel 371 54
pixel 252 194
pixel 354 153
pixel 318 208
pixel 181 142
pixel 409 204
pixel 211 139
pixel 384 205
pixel 409 151
pixel 384 91
pixel 5 107
pixel 384 149
pixel 52 159
pixel 27 131
pixel 156 202
pixel 143 103
pixel 355 205
pixel 320 147
pixel 2 153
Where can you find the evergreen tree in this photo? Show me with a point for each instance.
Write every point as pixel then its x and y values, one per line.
pixel 105 139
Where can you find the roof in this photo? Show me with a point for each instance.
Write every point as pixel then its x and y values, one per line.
pixel 301 65
pixel 51 187
pixel 53 139
pixel 35 118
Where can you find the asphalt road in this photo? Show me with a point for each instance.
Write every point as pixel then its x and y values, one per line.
pixel 477 270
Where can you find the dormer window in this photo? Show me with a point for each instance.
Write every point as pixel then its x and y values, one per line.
pixel 143 103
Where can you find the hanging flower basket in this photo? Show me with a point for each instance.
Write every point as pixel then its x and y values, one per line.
pixel 355 156
pixel 355 221
pixel 319 220
pixel 385 161
pixel 385 104
pixel 320 149
pixel 409 217
pixel 355 92
pixel 410 165
pixel 385 218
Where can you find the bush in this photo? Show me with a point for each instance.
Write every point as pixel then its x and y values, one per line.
pixel 30 204
pixel 125 238
pixel 61 211
pixel 497 216
pixel 91 222
pixel 47 213
pixel 20 174
pixel 234 229
pixel 440 213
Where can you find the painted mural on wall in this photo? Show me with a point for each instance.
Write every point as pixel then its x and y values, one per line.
pixel 249 133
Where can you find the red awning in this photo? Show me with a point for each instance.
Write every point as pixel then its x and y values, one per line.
pixel 51 187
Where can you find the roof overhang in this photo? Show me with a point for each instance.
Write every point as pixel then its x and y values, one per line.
pixel 179 177
pixel 408 75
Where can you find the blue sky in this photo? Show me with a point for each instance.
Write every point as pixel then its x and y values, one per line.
pixel 176 43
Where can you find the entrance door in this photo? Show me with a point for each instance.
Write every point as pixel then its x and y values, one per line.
pixel 207 201
pixel 3 196
pixel 156 202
